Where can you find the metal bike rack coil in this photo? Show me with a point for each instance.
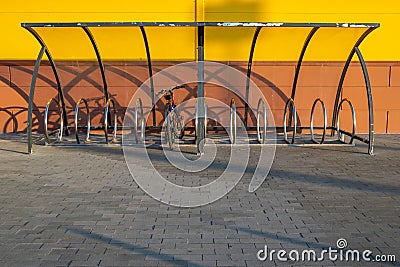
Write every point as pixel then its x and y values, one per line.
pixel 82 100
pixel 139 120
pixel 232 122
pixel 59 132
pixel 353 115
pixel 106 111
pixel 312 121
pixel 261 136
pixel 294 112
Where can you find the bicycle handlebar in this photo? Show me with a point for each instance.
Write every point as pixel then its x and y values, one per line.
pixel 163 91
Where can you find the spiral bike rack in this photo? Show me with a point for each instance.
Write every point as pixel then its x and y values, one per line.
pixel 232 122
pixel 261 136
pixel 87 139
pixel 106 111
pixel 139 137
pixel 312 121
pixel 59 132
pixel 353 115
pixel 294 114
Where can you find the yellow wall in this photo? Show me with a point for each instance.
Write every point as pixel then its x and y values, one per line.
pixel 221 44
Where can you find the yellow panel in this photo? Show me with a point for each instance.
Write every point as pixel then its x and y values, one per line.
pixel 125 43
pixel 18 44
pixel 235 43
pixel 382 44
pixel 301 7
pixel 98 6
pixel 172 43
pixel 332 44
pixel 221 44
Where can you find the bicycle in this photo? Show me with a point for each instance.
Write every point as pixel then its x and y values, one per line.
pixel 173 120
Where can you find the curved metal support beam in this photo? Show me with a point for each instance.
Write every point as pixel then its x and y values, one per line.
pixel 106 120
pixel 146 44
pixel 54 68
pixel 100 61
pixel 31 95
pixel 344 72
pixel 249 66
pixel 300 60
pixel 370 103
pixel 298 67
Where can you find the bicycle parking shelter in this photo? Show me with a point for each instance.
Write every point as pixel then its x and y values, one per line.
pixel 200 131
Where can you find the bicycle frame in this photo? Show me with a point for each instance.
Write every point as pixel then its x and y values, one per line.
pixel 172 118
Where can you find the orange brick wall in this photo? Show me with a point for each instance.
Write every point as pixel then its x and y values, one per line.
pixel 317 79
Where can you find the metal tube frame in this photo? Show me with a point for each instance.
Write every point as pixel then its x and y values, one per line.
pixel 370 102
pixel 232 122
pixel 146 44
pixel 44 49
pixel 298 66
pixel 293 108
pixel 353 116
pixel 312 121
pixel 249 66
pixel 354 50
pixel 99 60
pixel 31 95
pixel 197 119
pixel 200 129
pixel 106 112
pixel 59 132
pixel 200 46
pixel 87 139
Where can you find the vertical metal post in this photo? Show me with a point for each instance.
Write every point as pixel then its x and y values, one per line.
pixel 249 65
pixel 200 131
pixel 370 103
pixel 146 44
pixel 31 96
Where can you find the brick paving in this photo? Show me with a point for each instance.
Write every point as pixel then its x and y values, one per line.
pixel 79 206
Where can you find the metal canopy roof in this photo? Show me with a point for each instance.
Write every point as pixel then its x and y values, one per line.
pixel 200 131
pixel 197 24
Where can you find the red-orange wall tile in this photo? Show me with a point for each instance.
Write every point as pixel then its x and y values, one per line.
pixel 4 75
pixel 395 76
pixel 320 75
pixel 378 75
pixel 278 75
pixel 394 121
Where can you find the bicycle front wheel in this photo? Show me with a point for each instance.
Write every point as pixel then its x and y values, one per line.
pixel 170 129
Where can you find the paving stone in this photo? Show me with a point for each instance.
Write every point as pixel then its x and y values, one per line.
pixel 79 206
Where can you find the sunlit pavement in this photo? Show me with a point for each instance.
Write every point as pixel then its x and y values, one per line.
pixel 79 206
